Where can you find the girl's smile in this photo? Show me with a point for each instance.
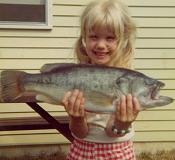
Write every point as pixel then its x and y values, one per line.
pixel 100 55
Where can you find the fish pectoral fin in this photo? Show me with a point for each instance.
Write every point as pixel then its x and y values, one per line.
pixel 98 102
pixel 98 98
pixel 47 99
pixel 98 108
pixel 49 67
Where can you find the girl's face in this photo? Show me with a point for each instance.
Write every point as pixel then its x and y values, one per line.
pixel 100 46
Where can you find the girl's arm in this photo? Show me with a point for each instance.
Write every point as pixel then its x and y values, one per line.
pixel 74 106
pixel 127 110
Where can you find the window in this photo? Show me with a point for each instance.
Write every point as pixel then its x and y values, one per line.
pixel 29 14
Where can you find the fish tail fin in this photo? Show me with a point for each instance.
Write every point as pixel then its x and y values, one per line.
pixel 10 85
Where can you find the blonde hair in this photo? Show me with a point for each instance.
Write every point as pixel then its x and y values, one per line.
pixel 111 14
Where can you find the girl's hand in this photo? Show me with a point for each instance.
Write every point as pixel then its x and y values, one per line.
pixel 74 103
pixel 127 110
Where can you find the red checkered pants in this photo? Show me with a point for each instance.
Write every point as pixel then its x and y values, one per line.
pixel 82 150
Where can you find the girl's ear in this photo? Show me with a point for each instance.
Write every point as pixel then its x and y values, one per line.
pixel 83 42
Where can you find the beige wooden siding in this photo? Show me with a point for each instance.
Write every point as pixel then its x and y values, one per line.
pixel 155 55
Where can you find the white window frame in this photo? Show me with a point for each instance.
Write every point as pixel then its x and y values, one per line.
pixel 32 25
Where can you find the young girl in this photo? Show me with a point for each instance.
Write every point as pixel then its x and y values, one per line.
pixel 106 38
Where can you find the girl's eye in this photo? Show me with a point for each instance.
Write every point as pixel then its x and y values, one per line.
pixel 110 38
pixel 93 37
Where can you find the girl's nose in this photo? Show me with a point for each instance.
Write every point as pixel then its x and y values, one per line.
pixel 101 43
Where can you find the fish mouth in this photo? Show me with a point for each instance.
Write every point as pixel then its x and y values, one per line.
pixel 160 100
pixel 155 90
pixel 154 99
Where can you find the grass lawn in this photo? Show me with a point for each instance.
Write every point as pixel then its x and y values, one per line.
pixel 161 155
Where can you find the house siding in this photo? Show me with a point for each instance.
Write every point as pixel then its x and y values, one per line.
pixel 28 50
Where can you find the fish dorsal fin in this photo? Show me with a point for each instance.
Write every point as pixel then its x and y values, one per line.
pixel 49 67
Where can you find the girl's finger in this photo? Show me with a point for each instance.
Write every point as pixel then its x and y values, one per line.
pixel 65 99
pixel 129 107
pixel 136 106
pixel 77 103
pixel 123 109
pixel 81 111
pixel 72 100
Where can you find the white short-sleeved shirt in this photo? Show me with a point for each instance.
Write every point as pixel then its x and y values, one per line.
pixel 97 124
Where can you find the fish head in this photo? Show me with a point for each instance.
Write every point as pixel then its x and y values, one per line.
pixel 146 89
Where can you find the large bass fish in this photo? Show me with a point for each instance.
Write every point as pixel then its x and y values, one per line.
pixel 101 85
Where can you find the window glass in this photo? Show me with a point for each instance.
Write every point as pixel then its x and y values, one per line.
pixel 24 13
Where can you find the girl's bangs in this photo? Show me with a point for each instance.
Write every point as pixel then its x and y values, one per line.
pixel 98 21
